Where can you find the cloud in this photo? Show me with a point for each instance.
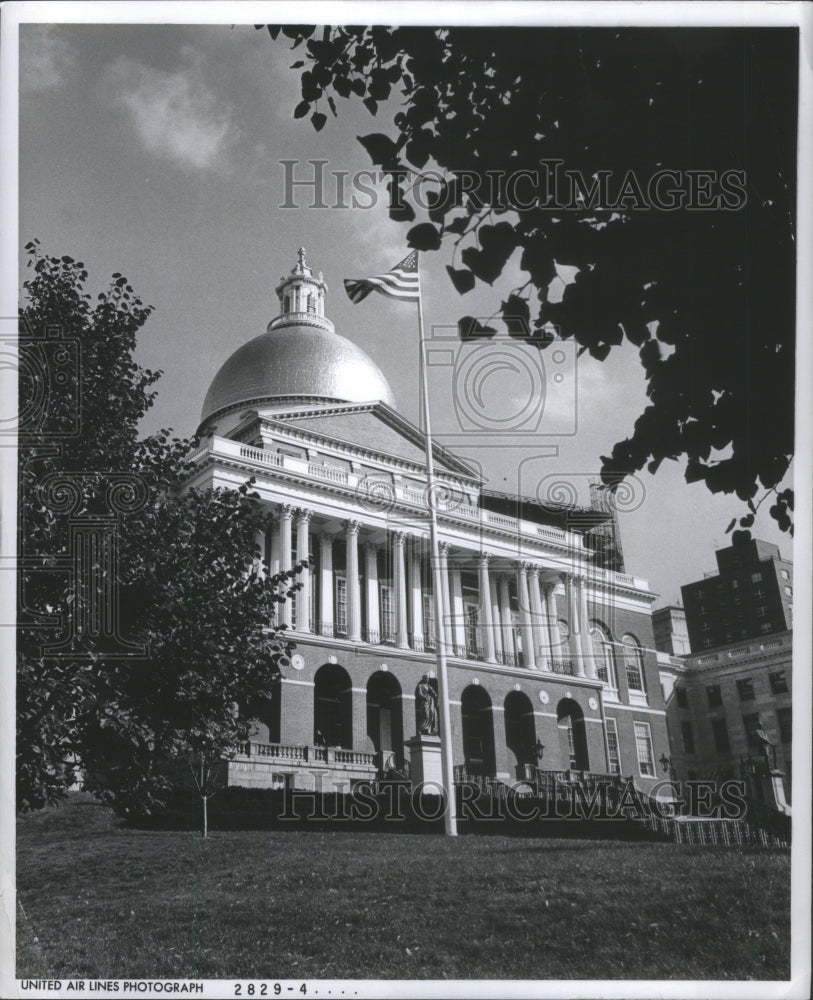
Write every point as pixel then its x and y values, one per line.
pixel 175 114
pixel 46 58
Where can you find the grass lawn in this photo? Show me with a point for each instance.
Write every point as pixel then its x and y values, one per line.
pixel 101 901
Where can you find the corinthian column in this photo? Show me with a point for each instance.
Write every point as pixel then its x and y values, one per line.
pixel 303 597
pixel 587 646
pixel 538 624
pixel 399 563
pixel 487 628
pixel 525 616
pixel 285 556
pixel 575 624
pixel 353 590
pixel 506 622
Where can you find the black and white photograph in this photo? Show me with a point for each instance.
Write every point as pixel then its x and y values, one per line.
pixel 406 499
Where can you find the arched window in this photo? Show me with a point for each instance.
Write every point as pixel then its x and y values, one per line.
pixel 633 664
pixel 604 655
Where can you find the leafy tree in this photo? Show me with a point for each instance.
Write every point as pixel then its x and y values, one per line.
pixel 189 594
pixel 703 286
pixel 191 641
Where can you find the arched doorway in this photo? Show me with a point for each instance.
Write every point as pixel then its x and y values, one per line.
pixel 332 707
pixel 478 731
pixel 520 729
pixel 385 723
pixel 572 735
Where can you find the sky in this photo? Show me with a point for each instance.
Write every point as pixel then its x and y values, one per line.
pixel 156 151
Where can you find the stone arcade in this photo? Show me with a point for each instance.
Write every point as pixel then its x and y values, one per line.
pixel 551 655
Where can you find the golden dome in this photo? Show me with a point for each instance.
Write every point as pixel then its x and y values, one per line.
pixel 299 356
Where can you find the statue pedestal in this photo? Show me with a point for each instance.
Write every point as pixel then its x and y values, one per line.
pixel 424 759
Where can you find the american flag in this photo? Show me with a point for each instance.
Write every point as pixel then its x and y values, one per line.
pixel 402 282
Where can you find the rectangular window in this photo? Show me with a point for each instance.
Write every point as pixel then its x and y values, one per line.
pixel 745 689
pixel 687 736
pixel 762 611
pixel 682 697
pixel 571 745
pixel 428 621
pixel 785 723
pixel 341 605
pixel 472 623
pixel 765 627
pixel 387 613
pixel 643 746
pixel 714 695
pixel 720 731
pixel 605 664
pixel 613 755
pixel 635 677
pixel 785 574
pixel 756 577
pixel 779 682
pixel 735 584
pixel 789 591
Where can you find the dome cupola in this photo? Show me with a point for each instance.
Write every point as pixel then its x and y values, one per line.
pixel 299 357
pixel 301 298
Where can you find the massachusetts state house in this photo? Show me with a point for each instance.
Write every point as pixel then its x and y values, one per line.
pixel 550 651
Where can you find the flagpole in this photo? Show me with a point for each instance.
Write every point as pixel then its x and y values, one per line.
pixel 446 759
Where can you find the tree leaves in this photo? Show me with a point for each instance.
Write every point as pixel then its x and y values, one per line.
pixel 497 243
pixel 180 577
pixel 380 148
pixel 462 279
pixel 565 133
pixel 424 237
